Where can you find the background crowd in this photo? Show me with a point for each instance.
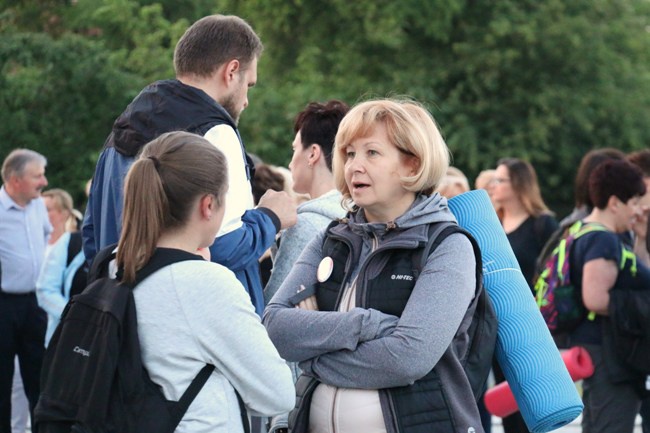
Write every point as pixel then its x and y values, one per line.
pixel 385 175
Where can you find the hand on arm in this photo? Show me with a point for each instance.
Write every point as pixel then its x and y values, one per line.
pixel 427 326
pixel 301 334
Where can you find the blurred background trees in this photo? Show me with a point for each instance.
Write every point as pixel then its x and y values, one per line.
pixel 545 81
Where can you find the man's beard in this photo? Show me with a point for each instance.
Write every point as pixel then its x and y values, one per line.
pixel 228 104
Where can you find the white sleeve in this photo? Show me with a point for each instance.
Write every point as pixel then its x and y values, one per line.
pixel 239 197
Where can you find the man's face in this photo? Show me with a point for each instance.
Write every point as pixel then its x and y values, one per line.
pixel 29 186
pixel 237 100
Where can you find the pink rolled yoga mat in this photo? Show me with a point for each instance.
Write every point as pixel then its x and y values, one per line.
pixel 500 401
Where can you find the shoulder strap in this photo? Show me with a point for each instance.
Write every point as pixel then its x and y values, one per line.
pixel 190 394
pixel 99 265
pixel 161 258
pixel 437 233
pixel 74 246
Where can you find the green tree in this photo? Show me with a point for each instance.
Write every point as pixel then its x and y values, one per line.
pixel 544 81
pixel 60 98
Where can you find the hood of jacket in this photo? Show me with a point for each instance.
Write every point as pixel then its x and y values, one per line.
pixel 328 205
pixel 162 107
pixel 424 210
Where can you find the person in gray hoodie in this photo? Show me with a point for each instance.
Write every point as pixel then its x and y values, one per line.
pixel 379 345
pixel 194 312
pixel 311 171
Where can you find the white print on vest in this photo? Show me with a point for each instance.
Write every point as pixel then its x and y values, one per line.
pixel 402 277
pixel 471 430
pixel 81 351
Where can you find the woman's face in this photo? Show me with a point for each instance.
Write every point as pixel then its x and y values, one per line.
pixel 629 213
pixel 500 189
pixel 57 216
pixel 373 169
pixel 299 166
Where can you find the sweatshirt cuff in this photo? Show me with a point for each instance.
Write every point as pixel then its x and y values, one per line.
pixel 273 216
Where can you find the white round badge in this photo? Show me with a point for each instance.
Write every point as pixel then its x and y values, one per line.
pixel 325 269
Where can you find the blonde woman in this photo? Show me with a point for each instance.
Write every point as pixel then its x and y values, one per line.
pixel 62 214
pixel 379 353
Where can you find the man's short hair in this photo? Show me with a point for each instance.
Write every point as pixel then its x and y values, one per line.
pixel 15 163
pixel 214 40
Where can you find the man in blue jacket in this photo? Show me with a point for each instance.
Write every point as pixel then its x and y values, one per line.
pixel 215 63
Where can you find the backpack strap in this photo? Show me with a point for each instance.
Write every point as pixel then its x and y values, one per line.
pixel 190 394
pixel 74 246
pixel 437 233
pixel 99 265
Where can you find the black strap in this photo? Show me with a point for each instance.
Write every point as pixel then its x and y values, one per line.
pixel 243 413
pixel 74 247
pixel 190 394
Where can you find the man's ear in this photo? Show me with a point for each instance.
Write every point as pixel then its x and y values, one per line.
pixel 315 153
pixel 231 71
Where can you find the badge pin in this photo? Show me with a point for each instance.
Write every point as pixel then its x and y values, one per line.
pixel 325 269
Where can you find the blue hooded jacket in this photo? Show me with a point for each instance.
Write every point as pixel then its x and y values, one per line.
pixel 166 106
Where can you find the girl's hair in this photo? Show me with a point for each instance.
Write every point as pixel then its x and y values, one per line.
pixel 523 180
pixel 63 202
pixel 589 162
pixel 410 128
pixel 161 188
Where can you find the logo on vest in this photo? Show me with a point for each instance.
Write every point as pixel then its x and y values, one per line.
pixel 471 430
pixel 81 351
pixel 402 277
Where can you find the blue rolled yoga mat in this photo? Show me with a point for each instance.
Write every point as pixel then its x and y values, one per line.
pixel 543 389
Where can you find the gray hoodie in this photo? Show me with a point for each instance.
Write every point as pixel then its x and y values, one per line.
pixel 313 217
pixel 364 348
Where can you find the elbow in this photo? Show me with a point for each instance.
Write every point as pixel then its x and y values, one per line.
pixel 597 306
pixel 286 400
pixel 410 372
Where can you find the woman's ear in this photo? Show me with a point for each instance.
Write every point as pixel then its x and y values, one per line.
pixel 413 163
pixel 207 206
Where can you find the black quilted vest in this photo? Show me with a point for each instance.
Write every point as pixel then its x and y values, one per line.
pixel 423 406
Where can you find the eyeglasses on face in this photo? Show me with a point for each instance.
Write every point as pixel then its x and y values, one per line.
pixel 499 180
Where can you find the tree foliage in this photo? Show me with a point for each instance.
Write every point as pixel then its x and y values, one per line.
pixel 60 97
pixel 544 81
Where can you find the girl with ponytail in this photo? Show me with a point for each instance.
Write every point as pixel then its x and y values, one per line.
pixel 194 312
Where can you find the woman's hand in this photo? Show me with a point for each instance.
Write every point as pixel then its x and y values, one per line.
pixel 309 303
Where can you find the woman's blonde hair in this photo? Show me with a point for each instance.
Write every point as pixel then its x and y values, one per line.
pixel 161 187
pixel 63 202
pixel 410 128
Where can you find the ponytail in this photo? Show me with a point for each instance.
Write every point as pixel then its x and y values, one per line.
pixel 161 187
pixel 145 205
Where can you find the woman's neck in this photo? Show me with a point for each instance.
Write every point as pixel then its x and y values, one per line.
pixel 57 232
pixel 322 183
pixel 179 240
pixel 513 215
pixel 602 217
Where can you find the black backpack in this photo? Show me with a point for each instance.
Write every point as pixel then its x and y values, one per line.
pixel 93 379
